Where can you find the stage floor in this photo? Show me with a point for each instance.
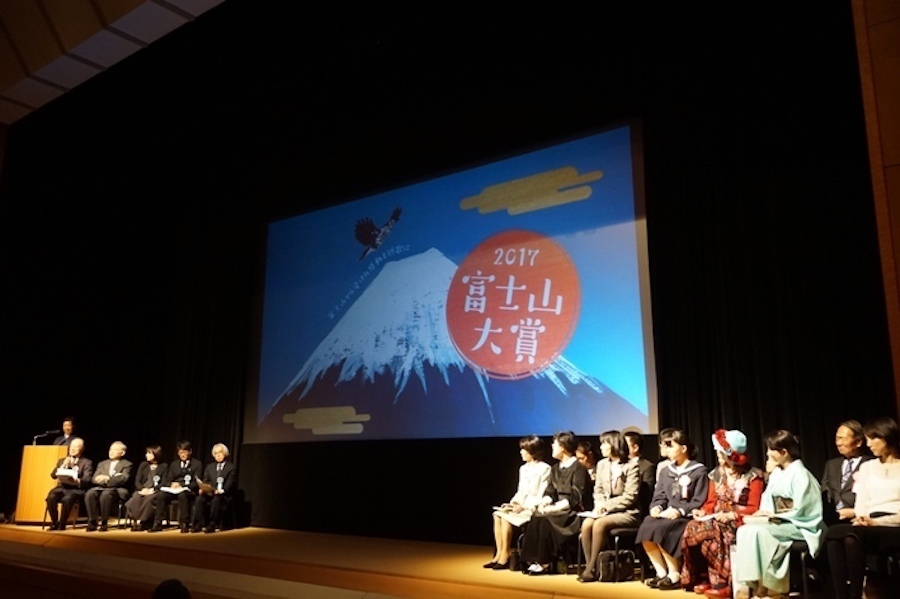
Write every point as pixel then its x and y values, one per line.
pixel 258 563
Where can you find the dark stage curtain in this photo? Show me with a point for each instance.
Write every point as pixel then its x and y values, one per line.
pixel 129 256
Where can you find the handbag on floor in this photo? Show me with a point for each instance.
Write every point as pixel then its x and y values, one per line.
pixel 607 569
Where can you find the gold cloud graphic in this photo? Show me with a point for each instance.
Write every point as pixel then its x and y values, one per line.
pixel 339 420
pixel 535 192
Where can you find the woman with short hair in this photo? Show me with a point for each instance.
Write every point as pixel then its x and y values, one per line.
pixel 555 521
pixel 141 507
pixel 616 489
pixel 534 475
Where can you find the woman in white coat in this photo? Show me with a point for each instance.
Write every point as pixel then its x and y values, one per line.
pixel 533 477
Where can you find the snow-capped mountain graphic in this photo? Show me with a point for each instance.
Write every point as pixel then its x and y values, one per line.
pixel 391 359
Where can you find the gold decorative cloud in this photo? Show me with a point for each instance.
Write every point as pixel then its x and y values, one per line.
pixel 339 420
pixel 535 192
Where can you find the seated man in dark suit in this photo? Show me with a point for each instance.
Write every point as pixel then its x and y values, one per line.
pixel 180 484
pixel 111 478
pixel 646 468
pixel 216 490
pixel 837 480
pixel 73 475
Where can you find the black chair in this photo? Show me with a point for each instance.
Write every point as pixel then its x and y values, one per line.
pixel 625 537
pixel 800 550
pixel 78 513
pixel 618 539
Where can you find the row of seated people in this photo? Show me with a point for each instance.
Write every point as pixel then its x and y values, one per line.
pixel 202 494
pixel 696 516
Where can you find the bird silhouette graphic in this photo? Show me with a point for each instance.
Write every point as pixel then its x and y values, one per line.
pixel 372 236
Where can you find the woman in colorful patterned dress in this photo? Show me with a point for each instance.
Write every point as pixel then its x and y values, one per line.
pixel 735 488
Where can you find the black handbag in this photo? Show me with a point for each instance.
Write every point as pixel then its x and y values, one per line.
pixel 607 570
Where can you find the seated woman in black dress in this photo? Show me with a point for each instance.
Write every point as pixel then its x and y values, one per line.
pixel 681 488
pixel 554 525
pixel 141 506
pixel 877 487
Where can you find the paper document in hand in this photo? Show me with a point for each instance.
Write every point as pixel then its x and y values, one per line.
pixel 173 490
pixel 593 515
pixel 68 476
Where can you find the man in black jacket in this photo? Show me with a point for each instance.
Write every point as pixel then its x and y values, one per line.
pixel 73 475
pixel 837 480
pixel 181 483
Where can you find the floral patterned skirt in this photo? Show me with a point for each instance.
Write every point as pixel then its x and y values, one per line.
pixel 706 546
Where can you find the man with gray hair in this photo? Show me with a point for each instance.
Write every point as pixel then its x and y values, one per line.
pixel 73 475
pixel 110 480
pixel 837 480
pixel 218 484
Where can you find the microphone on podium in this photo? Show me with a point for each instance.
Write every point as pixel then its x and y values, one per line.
pixel 42 435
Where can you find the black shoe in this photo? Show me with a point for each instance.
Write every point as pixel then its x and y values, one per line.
pixel 137 527
pixel 103 527
pixel 197 528
pixel 155 528
pixel 585 577
pixel 667 584
pixel 91 527
pixel 209 529
pixel 489 565
pixel 499 566
pixel 53 526
pixel 653 583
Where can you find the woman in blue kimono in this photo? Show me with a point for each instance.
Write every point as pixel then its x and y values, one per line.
pixel 790 510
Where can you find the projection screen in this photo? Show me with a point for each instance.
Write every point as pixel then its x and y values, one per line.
pixel 503 300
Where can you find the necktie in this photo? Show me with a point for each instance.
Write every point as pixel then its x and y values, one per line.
pixel 845 475
pixel 219 467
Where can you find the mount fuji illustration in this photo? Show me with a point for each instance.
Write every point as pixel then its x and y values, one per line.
pixel 388 369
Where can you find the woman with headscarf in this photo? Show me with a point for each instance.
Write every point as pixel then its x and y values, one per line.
pixel 735 489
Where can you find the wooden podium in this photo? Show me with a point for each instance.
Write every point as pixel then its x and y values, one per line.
pixel 38 461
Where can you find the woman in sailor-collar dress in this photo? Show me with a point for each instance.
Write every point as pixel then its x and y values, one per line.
pixel 681 488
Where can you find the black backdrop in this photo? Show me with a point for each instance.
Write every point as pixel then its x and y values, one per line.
pixel 133 212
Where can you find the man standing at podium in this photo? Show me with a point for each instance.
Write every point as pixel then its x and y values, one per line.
pixel 71 483
pixel 68 430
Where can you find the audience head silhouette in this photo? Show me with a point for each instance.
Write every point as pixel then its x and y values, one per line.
pixel 171 589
